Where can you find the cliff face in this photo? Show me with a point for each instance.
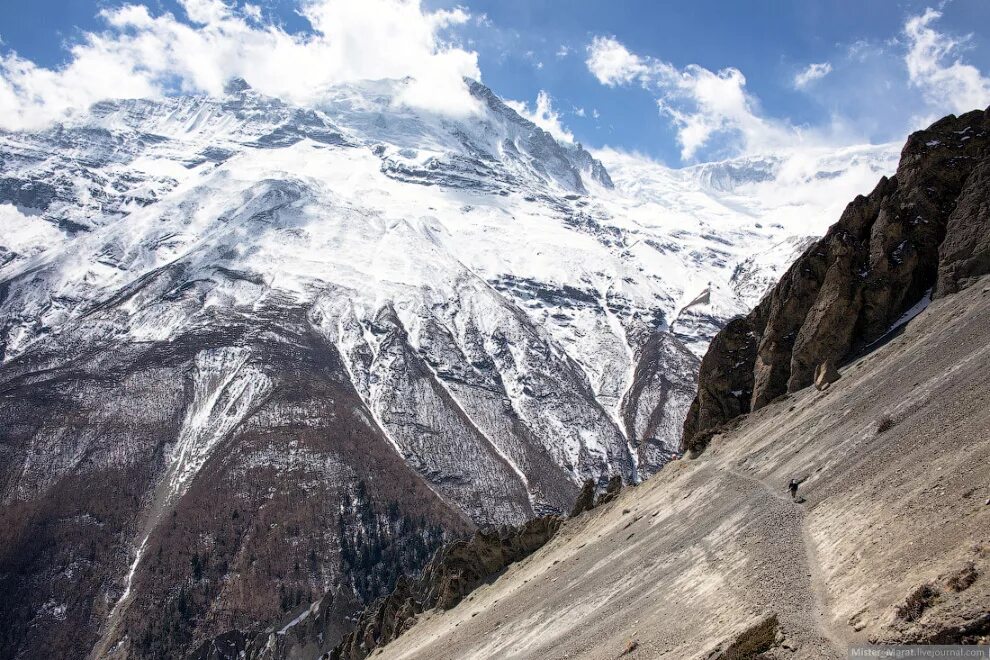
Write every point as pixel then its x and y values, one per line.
pixel 925 232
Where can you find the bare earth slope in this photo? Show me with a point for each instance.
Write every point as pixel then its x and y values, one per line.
pixel 696 558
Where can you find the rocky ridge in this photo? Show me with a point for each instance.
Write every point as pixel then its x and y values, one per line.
pixel 921 234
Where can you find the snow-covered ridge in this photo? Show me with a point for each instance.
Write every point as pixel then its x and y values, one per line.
pixel 480 280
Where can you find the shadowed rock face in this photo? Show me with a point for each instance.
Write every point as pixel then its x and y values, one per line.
pixel 455 571
pixel 725 381
pixel 924 231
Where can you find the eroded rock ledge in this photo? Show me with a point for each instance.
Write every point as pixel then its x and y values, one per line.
pixel 923 232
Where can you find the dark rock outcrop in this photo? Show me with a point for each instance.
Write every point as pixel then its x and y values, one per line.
pixel 612 491
pixel 924 231
pixel 725 380
pixel 585 499
pixel 455 571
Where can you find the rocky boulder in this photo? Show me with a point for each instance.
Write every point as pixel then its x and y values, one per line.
pixel 825 375
pixel 585 499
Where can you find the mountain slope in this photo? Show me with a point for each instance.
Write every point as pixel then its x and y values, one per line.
pixel 254 353
pixel 711 554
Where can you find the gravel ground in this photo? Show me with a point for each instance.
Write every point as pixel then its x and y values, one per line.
pixel 683 564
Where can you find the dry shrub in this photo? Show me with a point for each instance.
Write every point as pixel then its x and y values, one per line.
pixel 754 641
pixel 917 602
pixel 962 579
pixel 631 646
pixel 885 423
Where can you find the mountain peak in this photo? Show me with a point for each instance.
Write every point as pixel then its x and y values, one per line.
pixel 236 85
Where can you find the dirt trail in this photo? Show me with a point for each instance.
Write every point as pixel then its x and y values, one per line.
pixel 695 558
pixel 817 595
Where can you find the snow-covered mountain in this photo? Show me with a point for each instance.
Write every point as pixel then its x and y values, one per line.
pixel 197 291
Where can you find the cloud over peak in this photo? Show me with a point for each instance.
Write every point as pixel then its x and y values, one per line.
pixel 146 55
pixel 544 115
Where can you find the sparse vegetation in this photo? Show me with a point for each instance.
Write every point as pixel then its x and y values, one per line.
pixel 917 602
pixel 962 579
pixel 631 646
pixel 376 547
pixel 753 641
pixel 884 424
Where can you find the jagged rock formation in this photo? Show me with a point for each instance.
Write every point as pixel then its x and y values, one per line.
pixel 825 375
pixel 925 232
pixel 585 500
pixel 612 491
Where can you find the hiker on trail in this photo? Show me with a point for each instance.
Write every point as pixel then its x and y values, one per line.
pixel 792 486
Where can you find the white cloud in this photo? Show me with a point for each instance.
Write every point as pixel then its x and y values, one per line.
pixel 934 67
pixel 872 90
pixel 543 116
pixel 142 55
pixel 705 106
pixel 814 71
pixel 253 12
pixel 612 63
pixel 579 112
pixel 563 52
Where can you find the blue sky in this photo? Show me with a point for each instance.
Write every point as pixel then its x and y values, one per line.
pixel 695 81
